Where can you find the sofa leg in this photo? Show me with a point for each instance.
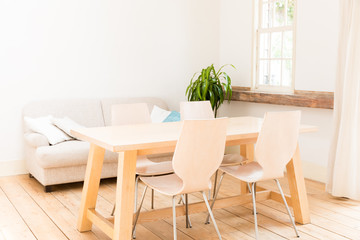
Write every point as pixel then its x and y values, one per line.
pixel 31 176
pixel 48 189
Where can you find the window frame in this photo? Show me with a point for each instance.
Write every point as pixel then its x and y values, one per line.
pixel 257 30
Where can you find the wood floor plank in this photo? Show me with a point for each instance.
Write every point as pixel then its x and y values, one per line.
pixel 59 214
pixel 12 226
pixel 37 220
pixel 236 236
pixel 244 225
pixel 162 229
pixel 283 217
pixel 353 204
pixel 328 224
pixel 266 222
pixel 199 219
pixel 72 202
pixel 53 215
pixel 224 226
pixel 336 208
pixel 104 207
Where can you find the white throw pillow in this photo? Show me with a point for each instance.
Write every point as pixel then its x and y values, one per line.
pixel 44 126
pixel 66 124
pixel 158 114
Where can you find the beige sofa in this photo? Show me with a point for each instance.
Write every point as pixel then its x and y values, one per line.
pixel 66 162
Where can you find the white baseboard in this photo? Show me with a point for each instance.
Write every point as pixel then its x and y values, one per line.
pixel 10 168
pixel 314 171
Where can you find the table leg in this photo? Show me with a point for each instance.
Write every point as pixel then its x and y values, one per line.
pixel 91 186
pixel 246 150
pixel 125 195
pixel 296 180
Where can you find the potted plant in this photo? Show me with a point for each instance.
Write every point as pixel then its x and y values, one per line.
pixel 210 85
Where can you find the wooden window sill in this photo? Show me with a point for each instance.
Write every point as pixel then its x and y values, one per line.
pixel 311 99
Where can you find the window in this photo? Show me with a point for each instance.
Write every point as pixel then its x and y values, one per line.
pixel 274 51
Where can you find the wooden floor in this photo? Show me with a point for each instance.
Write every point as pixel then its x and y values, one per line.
pixel 27 212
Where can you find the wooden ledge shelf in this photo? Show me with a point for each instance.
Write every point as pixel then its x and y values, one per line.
pixel 311 99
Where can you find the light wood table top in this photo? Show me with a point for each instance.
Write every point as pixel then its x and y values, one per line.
pixel 157 135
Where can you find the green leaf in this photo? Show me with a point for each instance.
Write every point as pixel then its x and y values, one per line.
pixel 212 99
pixel 198 91
pixel 219 93
pixel 203 73
pixel 193 76
pixel 205 89
pixel 187 89
pixel 229 93
pixel 225 66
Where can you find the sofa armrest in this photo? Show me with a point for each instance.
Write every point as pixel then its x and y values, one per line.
pixel 36 140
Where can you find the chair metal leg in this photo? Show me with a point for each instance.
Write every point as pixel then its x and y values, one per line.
pixel 113 210
pixel 136 192
pixel 211 215
pixel 215 196
pixel 248 185
pixel 215 182
pixel 253 192
pixel 287 207
pixel 152 198
pixel 174 217
pixel 185 201
pixel 138 212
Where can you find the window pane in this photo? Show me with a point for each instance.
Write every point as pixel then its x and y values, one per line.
pixel 275 70
pixel 288 44
pixel 276 45
pixel 264 72
pixel 264 45
pixel 279 13
pixel 290 11
pixel 287 73
pixel 267 15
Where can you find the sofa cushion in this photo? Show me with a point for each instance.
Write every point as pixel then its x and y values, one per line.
pixel 66 124
pixel 86 112
pixel 66 154
pixel 44 126
pixel 159 115
pixel 36 140
pixel 108 102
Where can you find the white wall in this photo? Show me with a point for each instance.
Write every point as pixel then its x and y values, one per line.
pixel 317 35
pixel 95 49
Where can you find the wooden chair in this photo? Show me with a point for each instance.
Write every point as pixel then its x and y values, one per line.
pixel 276 144
pixel 138 113
pixel 203 110
pixel 198 154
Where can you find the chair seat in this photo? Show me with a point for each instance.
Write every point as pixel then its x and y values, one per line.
pixel 146 167
pixel 168 184
pixel 251 172
pixel 232 160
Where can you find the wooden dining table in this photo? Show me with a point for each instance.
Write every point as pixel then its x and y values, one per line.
pixel 131 141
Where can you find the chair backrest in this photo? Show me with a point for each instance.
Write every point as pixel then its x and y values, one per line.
pixel 196 110
pixel 199 152
pixel 133 113
pixel 277 142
